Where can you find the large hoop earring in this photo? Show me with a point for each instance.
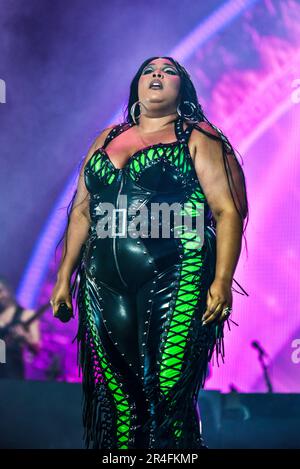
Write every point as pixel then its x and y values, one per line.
pixel 188 116
pixel 132 111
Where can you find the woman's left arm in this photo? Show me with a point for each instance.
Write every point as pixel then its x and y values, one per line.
pixel 212 176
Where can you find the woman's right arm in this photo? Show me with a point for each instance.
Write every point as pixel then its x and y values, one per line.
pixel 76 234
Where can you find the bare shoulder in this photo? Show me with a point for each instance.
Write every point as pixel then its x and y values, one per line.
pixel 100 139
pixel 199 141
pixel 97 143
pixel 199 136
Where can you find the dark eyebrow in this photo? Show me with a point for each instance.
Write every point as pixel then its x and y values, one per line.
pixel 165 63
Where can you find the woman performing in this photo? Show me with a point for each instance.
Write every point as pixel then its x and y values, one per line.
pixel 152 308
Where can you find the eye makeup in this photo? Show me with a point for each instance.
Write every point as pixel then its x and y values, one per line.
pixel 171 69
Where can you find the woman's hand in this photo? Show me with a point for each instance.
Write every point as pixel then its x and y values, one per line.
pixel 219 296
pixel 61 294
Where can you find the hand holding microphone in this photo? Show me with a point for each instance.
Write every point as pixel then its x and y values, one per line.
pixel 61 302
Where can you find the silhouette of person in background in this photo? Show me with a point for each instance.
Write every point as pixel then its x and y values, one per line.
pixel 15 336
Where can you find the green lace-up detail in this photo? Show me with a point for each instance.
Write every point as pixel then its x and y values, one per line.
pixel 121 402
pixel 99 165
pixel 174 154
pixel 187 297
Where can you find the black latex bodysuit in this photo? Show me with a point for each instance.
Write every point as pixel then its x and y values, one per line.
pixel 143 349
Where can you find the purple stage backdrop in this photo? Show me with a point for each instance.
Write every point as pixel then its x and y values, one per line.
pixel 65 70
